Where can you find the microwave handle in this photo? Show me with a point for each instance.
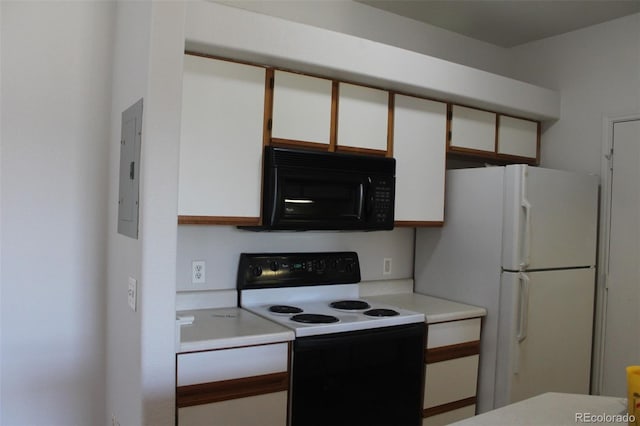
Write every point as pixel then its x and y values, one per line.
pixel 367 198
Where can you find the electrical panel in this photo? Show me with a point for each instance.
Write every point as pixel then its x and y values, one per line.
pixel 129 192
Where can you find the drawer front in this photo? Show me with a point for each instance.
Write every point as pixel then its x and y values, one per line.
pixel 453 332
pixel 226 364
pixel 268 410
pixel 450 416
pixel 450 381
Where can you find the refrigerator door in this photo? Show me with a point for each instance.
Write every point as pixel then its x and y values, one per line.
pixel 545 333
pixel 550 219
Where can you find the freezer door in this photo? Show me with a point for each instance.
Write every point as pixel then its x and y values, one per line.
pixel 545 333
pixel 550 219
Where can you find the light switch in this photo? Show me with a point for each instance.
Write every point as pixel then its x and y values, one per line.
pixel 133 293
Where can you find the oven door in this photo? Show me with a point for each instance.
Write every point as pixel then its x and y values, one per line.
pixel 370 377
pixel 317 199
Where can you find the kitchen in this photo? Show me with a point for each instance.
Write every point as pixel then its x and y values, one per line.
pixel 145 376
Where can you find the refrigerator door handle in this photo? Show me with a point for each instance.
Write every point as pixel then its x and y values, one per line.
pixel 523 310
pixel 526 205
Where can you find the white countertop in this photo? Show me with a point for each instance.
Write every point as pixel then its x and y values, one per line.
pixel 435 309
pixel 555 409
pixel 226 328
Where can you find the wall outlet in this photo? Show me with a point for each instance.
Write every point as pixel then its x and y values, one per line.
pixel 133 293
pixel 386 267
pixel 198 271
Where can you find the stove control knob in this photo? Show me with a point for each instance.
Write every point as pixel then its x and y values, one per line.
pixel 274 265
pixel 321 265
pixel 257 271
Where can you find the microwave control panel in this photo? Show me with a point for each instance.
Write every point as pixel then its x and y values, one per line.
pixel 381 200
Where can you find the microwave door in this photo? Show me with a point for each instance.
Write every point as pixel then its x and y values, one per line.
pixel 327 203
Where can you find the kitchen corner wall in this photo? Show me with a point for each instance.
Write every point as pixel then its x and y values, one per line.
pixel 220 247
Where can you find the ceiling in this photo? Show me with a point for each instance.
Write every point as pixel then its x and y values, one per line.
pixel 508 23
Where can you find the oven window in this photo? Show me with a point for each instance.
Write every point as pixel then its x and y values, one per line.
pixel 363 378
pixel 322 200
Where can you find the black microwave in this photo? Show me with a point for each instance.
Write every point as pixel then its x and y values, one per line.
pixel 314 190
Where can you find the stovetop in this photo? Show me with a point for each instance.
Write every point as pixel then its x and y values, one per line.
pixel 305 286
pixel 338 320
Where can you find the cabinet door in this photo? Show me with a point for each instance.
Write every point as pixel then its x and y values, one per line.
pixel 450 381
pixel 517 137
pixel 267 410
pixel 363 115
pixel 419 142
pixel 221 139
pixel 472 129
pixel 301 108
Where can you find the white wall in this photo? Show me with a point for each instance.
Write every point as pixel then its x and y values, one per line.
pixel 148 55
pixel 220 247
pixel 360 20
pixel 597 71
pixel 123 348
pixel 56 69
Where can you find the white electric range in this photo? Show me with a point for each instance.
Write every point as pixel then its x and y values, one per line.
pixel 362 362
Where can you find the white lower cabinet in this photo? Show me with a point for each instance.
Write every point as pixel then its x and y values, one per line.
pixel 265 410
pixel 451 373
pixel 233 387
pixel 450 416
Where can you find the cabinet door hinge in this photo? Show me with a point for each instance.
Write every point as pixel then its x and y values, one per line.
pixel 269 124
pixel 449 115
pixel 271 83
pixel 449 135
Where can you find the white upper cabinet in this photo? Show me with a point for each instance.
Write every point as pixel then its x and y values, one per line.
pixel 472 129
pixel 363 115
pixel 301 108
pixel 419 145
pixel 221 139
pixel 517 137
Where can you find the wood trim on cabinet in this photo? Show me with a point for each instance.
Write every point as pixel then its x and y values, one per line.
pixel 218 220
pixel 363 151
pixel 268 107
pixel 448 131
pixel 390 124
pixel 450 406
pixel 290 143
pixel 495 142
pixel 418 223
pixel 333 131
pixel 446 353
pixel 206 393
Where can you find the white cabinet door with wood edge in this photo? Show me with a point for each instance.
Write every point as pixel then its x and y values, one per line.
pixel 302 108
pixel 265 410
pixel 221 141
pixel 451 371
pixel 472 129
pixel 517 137
pixel 363 116
pixel 419 147
pixel 235 386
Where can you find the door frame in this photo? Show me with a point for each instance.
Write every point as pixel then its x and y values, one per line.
pixel 600 317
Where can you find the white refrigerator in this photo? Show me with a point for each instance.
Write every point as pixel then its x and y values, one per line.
pixel 521 242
